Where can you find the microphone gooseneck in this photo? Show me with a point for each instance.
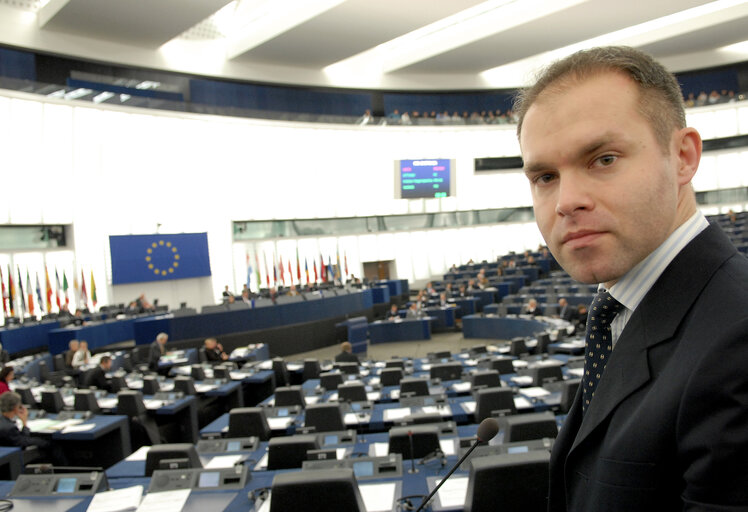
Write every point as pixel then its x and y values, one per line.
pixel 487 430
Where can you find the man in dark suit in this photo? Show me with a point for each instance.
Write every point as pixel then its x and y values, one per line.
pixel 346 354
pixel 96 377
pixel 565 310
pixel 10 435
pixel 214 351
pixel 157 350
pixel 660 422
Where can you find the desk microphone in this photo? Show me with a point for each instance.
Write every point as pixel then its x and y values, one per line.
pixel 412 461
pixel 487 430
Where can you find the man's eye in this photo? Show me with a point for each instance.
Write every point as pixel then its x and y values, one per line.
pixel 607 159
pixel 543 178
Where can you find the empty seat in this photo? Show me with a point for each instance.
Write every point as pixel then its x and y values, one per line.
pixel 543 374
pixel 151 386
pixel 446 371
pixel 568 393
pixel 391 376
pixel 517 347
pixel 491 402
pixel 27 397
pixel 143 428
pixel 185 384
pixel 289 395
pixel 347 368
pixel 85 400
pixel 485 379
pixel 330 380
pixel 117 383
pixel 327 417
pixel 221 371
pixel 197 372
pixel 501 364
pixel 544 339
pixel 280 371
pixel 311 369
pixel 248 421
pixel 395 363
pixel 354 391
pixel 52 401
pixel 414 386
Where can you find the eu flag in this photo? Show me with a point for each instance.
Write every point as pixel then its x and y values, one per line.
pixel 139 258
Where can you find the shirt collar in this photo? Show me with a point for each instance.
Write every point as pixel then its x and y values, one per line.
pixel 634 285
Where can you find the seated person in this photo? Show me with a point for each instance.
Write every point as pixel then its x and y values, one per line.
pixel 64 312
pixel 462 292
pixel 82 355
pixel 10 435
pixel 413 311
pixel 6 375
pixel 214 351
pixel 72 349
pixel 158 348
pixel 393 313
pixel 448 290
pixel 443 300
pixel 580 321
pixel 226 292
pixel 532 308
pixel 566 311
pixel 346 354
pixel 245 296
pixel 96 377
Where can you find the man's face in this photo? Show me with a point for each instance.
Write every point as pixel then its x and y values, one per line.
pixel 605 195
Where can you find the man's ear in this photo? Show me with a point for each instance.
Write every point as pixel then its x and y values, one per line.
pixel 688 151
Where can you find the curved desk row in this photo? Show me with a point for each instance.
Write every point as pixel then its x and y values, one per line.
pixel 501 328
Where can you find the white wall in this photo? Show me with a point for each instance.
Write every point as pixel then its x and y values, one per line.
pixel 114 171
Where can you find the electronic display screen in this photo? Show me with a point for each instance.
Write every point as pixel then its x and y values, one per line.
pixel 331 440
pixel 209 479
pixel 282 413
pixel 233 446
pixel 66 485
pixel 517 449
pixel 355 407
pixel 425 178
pixel 363 468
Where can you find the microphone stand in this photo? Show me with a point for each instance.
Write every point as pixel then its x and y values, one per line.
pixel 412 460
pixel 454 468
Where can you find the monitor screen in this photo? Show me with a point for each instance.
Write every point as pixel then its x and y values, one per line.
pixel 209 479
pixel 233 446
pixel 331 440
pixel 282 412
pixel 66 485
pixel 517 449
pixel 426 178
pixel 363 468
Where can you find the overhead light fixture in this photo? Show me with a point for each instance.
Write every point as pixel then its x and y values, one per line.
pixel 77 93
pixel 102 97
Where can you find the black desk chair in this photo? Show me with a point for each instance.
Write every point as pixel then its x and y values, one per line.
pixel 311 369
pixel 85 400
pixel 58 361
pixel 280 371
pixel 501 364
pixel 143 429
pixel 491 402
pixel 347 368
pixel 568 392
pixel 221 371
pixel 52 401
pixel 395 363
pixel 27 397
pixel 198 372
pixel 202 356
pixel 517 347
pixel 326 417
pixel 151 386
pixel 117 383
pixel 249 421
pixel 542 374
pixel 319 491
pixel 289 395
pixel 185 384
pixel 391 376
pixel 353 391
pixel 544 339
pixel 414 386
pixel 485 379
pixel 330 380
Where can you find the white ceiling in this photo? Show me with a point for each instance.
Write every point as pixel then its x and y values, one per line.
pixel 388 44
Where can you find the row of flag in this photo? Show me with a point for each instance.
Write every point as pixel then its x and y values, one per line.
pixel 17 302
pixel 284 275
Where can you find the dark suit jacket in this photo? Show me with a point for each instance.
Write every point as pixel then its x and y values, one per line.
pixel 96 377
pixel 214 355
pixel 668 427
pixel 154 354
pixel 346 357
pixel 11 436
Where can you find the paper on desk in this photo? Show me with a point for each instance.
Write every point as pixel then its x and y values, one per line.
pixel 60 425
pixel 535 392
pixel 167 501
pixel 452 494
pixel 279 423
pixel 117 501
pixel 461 387
pixel 107 403
pixel 378 497
pixel 204 388
pixel 224 461
pixel 374 381
pixel 294 367
pixel 379 449
pixel 373 396
pixel 395 394
pixel 468 407
pixel 519 363
pixel 266 365
pixel 140 454
pixel 522 403
pixel 447 446
pixel 40 424
pixel 522 380
pixel 153 404
pixel 426 367
pixel 576 372
pixel 78 428
pixel 237 375
pixel 350 418
pixel 311 399
pixel 262 463
pixel 396 414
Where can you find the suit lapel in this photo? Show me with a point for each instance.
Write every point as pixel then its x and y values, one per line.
pixel 654 321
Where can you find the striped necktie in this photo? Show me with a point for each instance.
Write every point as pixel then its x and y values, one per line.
pixel 598 343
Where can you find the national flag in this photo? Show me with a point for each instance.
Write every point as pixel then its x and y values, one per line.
pixel 322 272
pixel 93 290
pixel 267 274
pixel 306 270
pixel 84 295
pixel 39 294
pixel 330 270
pixel 345 262
pixel 5 294
pixel 316 277
pixel 76 291
pixel 282 272
pixel 290 272
pixel 339 268
pixel 65 288
pixel 298 266
pixel 11 293
pixel 20 292
pixel 259 280
pixel 275 273
pixel 59 288
pixel 49 289
pixel 249 269
pixel 30 293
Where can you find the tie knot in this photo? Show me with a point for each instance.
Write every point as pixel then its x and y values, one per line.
pixel 605 306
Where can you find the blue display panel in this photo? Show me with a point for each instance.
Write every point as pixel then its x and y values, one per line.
pixel 425 178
